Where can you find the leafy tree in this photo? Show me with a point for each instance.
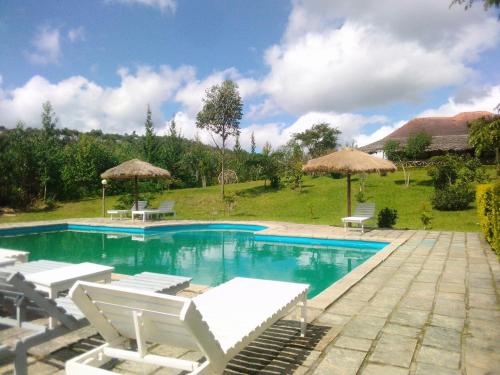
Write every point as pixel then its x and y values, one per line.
pixel 270 166
pixel 468 3
pixel 23 170
pixel 416 145
pixel 85 160
pixel 414 149
pixel 484 136
pixel 150 143
pixel 221 115
pixel 48 149
pixel 292 159
pixel 252 143
pixel 319 139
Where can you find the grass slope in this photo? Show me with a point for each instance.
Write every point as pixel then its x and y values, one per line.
pixel 322 201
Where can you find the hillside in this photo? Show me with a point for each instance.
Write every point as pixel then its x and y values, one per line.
pixel 322 201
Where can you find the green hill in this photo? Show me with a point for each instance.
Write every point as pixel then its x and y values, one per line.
pixel 321 201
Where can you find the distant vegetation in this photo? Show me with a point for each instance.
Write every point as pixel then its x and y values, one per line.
pixel 50 163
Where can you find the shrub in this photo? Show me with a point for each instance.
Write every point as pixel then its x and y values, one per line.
pixel 426 217
pixel 488 209
pixel 387 217
pixel 453 197
pixel 360 197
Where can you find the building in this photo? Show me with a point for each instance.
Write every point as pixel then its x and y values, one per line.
pixel 448 133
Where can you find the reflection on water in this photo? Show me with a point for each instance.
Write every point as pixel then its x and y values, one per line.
pixel 210 257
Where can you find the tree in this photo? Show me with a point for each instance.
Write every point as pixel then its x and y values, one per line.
pixel 221 115
pixel 269 165
pixel 468 3
pixel 150 142
pixel 484 136
pixel 252 143
pixel 48 150
pixel 319 139
pixel 414 149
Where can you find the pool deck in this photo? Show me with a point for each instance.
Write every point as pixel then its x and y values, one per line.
pixel 428 305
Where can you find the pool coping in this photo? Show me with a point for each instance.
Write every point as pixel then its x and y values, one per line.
pixel 321 301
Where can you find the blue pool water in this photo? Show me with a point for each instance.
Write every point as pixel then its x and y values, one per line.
pixel 211 254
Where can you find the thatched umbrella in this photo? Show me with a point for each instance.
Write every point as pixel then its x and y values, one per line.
pixel 349 161
pixel 135 169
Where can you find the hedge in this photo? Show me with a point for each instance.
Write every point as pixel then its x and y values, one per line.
pixel 488 209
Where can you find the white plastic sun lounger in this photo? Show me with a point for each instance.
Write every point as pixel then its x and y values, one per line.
pixel 166 208
pixel 219 323
pixel 141 205
pixel 64 311
pixel 363 212
pixel 17 255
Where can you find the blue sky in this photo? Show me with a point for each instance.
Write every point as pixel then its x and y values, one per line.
pixel 363 69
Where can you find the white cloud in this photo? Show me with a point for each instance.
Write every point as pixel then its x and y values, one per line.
pixel 84 105
pixel 47 46
pixel 76 34
pixel 341 56
pixel 484 101
pixel 277 134
pixel 192 94
pixel 163 5
pixel 365 139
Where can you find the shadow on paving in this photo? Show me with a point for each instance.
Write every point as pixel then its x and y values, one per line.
pixel 280 349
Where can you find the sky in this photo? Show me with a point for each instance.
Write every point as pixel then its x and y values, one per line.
pixel 363 67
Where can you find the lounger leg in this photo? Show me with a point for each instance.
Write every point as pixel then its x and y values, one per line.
pixel 303 318
pixel 362 227
pixel 21 360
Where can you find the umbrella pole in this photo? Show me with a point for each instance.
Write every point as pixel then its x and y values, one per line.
pixel 348 194
pixel 136 194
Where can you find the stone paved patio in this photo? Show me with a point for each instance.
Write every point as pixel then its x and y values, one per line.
pixel 432 307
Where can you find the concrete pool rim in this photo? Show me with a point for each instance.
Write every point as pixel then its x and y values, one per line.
pixel 265 228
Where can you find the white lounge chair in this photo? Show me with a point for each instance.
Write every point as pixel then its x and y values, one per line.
pixel 166 208
pixel 219 323
pixel 363 212
pixel 17 255
pixel 141 205
pixel 64 311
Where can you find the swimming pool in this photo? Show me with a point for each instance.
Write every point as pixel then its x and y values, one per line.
pixel 211 254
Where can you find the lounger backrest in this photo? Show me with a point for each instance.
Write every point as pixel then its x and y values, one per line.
pixel 365 209
pixel 14 283
pixel 168 320
pixel 140 204
pixel 166 206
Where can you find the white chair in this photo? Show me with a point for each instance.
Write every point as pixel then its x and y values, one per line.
pixel 17 255
pixel 166 208
pixel 219 323
pixel 64 311
pixel 141 205
pixel 363 212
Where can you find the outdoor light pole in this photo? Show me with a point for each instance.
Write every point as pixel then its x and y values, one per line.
pixel 104 183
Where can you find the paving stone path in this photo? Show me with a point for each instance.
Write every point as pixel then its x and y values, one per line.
pixel 431 308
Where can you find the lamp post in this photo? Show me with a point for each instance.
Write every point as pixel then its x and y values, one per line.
pixel 104 183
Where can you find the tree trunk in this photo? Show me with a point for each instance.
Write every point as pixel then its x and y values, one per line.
pixel 203 181
pixel 348 194
pixel 223 175
pixel 136 194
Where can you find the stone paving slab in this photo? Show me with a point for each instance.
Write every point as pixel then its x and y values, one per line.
pixel 431 307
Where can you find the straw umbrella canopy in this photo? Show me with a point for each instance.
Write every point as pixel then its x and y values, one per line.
pixel 349 161
pixel 135 169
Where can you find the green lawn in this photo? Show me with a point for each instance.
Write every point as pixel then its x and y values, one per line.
pixel 322 201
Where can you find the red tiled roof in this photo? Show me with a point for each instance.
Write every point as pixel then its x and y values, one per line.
pixel 440 128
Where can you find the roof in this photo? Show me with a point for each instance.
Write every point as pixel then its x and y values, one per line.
pixel 135 168
pixel 447 133
pixel 348 160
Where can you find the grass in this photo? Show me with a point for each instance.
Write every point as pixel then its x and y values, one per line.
pixel 322 201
